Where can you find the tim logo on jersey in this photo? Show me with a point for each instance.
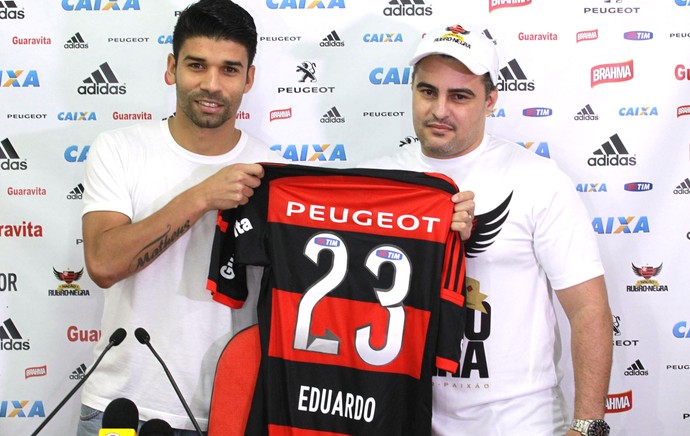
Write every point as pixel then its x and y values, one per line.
pixel 485 229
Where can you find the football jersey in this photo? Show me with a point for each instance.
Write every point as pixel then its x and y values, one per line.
pixel 362 297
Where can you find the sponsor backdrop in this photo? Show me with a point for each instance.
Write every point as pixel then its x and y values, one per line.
pixel 582 82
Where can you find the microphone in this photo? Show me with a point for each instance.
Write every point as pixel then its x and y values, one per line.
pixel 143 337
pixel 115 339
pixel 156 427
pixel 120 418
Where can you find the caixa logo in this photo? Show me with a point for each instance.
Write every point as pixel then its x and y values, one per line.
pixel 683 2
pixel 74 153
pixel 621 224
pixel 100 5
pixel 22 409
pixel 76 116
pixel 19 78
pixel 312 152
pixel 390 76
pixel 305 4
pixel 541 148
pixel 164 39
pixel 680 330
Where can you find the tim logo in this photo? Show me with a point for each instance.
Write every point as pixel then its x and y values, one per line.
pixel 497 4
pixel 621 224
pixel 102 82
pixel 100 5
pixel 305 4
pixel 312 152
pixel 539 148
pixel 616 403
pixel 308 71
pixel 19 78
pixel 537 112
pixel 638 186
pixel 611 73
pixel 638 35
pixel 513 78
pixel 390 76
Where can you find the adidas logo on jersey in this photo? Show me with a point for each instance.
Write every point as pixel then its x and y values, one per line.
pixel 612 153
pixel 586 114
pixel 332 40
pixel 102 82
pixel 636 369
pixel 332 116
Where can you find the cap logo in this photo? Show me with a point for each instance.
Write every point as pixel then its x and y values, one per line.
pixel 455 35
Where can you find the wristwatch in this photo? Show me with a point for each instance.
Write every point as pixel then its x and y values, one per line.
pixel 591 427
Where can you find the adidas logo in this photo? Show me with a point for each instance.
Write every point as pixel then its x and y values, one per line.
pixel 612 153
pixel 332 116
pixel 512 78
pixel 76 193
pixel 102 82
pixel 683 188
pixel 9 159
pixel 76 42
pixel 10 339
pixel 586 114
pixel 8 10
pixel 636 369
pixel 78 373
pixel 407 8
pixel 332 40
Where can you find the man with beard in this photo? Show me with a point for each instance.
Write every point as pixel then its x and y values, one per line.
pixel 531 243
pixel 152 194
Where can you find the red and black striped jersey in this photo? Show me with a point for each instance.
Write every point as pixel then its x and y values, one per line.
pixel 362 295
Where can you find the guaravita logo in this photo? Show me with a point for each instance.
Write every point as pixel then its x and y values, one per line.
pixel 10 338
pixel 612 153
pixel 332 40
pixel 586 114
pixel 513 78
pixel 76 42
pixel 102 82
pixel 10 11
pixel 9 159
pixel 332 116
pixel 407 8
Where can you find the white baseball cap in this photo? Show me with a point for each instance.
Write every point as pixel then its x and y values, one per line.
pixel 471 47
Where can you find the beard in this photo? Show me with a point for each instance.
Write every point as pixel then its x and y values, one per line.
pixel 203 120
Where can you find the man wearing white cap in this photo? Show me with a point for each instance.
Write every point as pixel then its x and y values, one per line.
pixel 531 240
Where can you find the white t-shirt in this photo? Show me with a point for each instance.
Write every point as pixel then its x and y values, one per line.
pixel 532 234
pixel 136 170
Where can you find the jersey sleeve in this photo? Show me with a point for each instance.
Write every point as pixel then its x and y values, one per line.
pixel 453 305
pixel 227 280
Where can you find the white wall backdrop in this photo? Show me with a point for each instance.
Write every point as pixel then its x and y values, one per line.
pixel 602 87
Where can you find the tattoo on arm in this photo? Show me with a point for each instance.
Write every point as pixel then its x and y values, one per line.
pixel 153 249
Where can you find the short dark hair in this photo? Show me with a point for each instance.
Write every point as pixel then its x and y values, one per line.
pixel 219 20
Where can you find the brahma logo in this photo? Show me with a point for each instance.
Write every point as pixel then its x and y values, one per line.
pixel 280 114
pixel 587 35
pixel 391 76
pixel 497 4
pixel 35 371
pixel 305 4
pixel 682 73
pixel 537 112
pixel 100 5
pixel 638 35
pixel 682 111
pixel 616 403
pixel 407 8
pixel 621 224
pixel 610 73
pixel 18 79
pixel 312 152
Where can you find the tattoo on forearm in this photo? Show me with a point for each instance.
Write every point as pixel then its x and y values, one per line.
pixel 159 245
